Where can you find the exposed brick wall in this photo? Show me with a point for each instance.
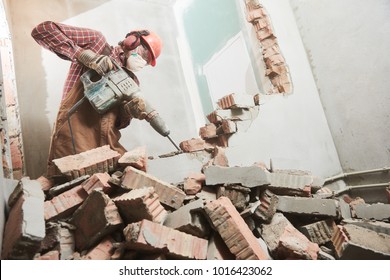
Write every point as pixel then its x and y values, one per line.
pixel 275 64
pixel 10 129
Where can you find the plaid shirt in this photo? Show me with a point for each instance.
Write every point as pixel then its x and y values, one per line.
pixel 68 41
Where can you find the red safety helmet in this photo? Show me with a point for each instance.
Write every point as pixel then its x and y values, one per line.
pixel 146 38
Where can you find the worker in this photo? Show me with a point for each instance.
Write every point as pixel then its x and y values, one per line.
pixel 88 49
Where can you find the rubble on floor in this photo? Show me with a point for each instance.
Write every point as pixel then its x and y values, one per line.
pixel 109 207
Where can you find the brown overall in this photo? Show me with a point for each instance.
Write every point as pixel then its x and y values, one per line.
pixel 90 129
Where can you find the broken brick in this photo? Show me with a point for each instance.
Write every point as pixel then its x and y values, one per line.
pixel 152 237
pixel 228 126
pixel 237 194
pixel 64 204
pixel 100 209
pixel 193 145
pixel 51 255
pixel 46 183
pixel 136 158
pixel 98 160
pixel 233 230
pixel 267 208
pixel 286 242
pixel 319 232
pixel 98 181
pixel 208 131
pixel 103 251
pixel 353 242
pixel 168 194
pixel 193 183
pixel 254 15
pixel 140 204
pixel 217 249
pixel 235 114
pixel 25 226
pixel 236 100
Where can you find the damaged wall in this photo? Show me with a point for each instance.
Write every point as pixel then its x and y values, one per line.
pixel 291 130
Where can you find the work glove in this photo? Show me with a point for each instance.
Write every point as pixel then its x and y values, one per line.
pixel 136 108
pixel 100 63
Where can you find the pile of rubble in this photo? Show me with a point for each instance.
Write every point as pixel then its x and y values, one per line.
pixel 108 206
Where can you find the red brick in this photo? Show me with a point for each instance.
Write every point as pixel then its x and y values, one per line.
pixel 46 183
pixel 235 100
pixel 229 126
pixel 193 145
pixel 168 194
pixel 103 251
pixel 98 160
pixel 16 153
pixel 208 131
pixel 100 209
pixel 254 14
pixel 149 236
pixel 217 249
pixel 265 33
pixel 136 158
pixel 233 230
pixel 140 204
pixel 271 51
pixel 64 204
pixel 267 208
pixel 98 181
pixel 286 242
pixel 237 194
pixel 219 157
pixel 193 183
pixel 388 195
pixel 261 23
pixel 52 255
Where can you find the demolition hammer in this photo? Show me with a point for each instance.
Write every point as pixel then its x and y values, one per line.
pixel 115 87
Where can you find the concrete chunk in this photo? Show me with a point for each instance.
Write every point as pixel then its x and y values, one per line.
pixel 289 183
pixel 378 211
pixel 356 243
pixel 152 237
pixel 377 226
pixel 189 219
pixel 25 226
pixel 248 176
pixel 308 206
pixel 168 194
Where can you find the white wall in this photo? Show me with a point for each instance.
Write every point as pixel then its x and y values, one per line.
pixel 291 130
pixel 348 43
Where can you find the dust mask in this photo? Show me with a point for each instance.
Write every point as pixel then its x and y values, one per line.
pixel 135 62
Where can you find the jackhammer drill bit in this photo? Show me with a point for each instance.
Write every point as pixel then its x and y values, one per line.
pixel 174 144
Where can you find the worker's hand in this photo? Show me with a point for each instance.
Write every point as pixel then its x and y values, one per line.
pixel 100 63
pixel 136 108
